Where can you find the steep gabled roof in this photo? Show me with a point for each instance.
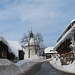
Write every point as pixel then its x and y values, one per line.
pixel 15 47
pixel 72 23
pixel 66 35
pixel 3 40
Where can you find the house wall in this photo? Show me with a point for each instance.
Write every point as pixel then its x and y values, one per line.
pixel 3 50
pixel 73 43
pixel 11 56
pixel 26 53
pixel 32 52
pixel 65 47
pixel 4 53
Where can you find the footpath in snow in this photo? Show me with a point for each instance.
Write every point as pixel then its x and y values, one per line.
pixel 65 68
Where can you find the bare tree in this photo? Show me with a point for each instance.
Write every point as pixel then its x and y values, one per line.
pixel 38 40
pixel 25 40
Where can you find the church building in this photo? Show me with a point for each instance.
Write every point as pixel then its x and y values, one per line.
pixel 31 48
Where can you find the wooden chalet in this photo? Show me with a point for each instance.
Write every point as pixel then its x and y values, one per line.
pixel 65 45
pixel 9 52
pixel 16 49
pixel 4 50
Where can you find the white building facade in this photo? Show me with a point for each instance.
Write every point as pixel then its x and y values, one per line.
pixel 30 48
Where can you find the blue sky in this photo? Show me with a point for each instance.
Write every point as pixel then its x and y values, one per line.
pixel 48 17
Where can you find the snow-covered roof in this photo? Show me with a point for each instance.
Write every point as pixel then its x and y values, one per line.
pixel 49 50
pixel 66 36
pixel 15 47
pixel 67 28
pixel 31 42
pixel 72 20
pixel 3 40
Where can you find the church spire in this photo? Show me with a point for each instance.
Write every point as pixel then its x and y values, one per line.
pixel 31 34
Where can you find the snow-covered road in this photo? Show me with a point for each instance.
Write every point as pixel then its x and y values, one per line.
pixel 45 69
pixel 38 66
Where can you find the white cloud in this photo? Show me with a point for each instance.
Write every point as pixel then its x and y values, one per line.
pixel 44 16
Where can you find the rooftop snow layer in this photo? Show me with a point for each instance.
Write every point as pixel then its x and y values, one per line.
pixel 73 20
pixel 67 35
pixel 3 40
pixel 49 50
pixel 15 47
pixel 67 28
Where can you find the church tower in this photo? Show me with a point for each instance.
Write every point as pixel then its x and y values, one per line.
pixel 31 34
pixel 31 48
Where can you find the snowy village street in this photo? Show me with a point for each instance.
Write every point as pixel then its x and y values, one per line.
pixel 45 69
pixel 37 37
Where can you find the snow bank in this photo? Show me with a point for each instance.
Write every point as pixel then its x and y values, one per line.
pixel 37 58
pixel 25 65
pixel 69 68
pixel 66 68
pixel 8 68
